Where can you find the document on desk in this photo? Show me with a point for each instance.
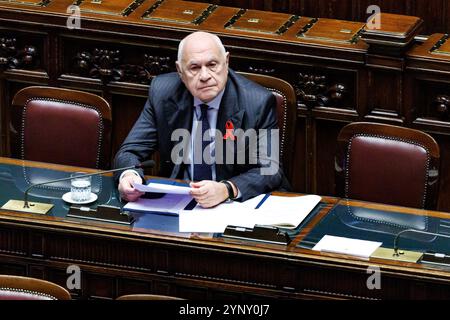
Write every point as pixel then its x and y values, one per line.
pixel 353 247
pixel 162 188
pixel 169 203
pixel 175 198
pixel 286 212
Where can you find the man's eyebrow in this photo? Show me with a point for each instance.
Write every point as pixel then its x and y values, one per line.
pixel 192 62
pixel 209 60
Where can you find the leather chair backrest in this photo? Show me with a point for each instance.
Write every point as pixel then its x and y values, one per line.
pixel 61 126
pixel 387 164
pixel 25 288
pixel 286 113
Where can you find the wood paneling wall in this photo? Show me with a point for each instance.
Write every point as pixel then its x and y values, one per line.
pixel 435 13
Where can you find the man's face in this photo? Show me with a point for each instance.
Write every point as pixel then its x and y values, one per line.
pixel 203 68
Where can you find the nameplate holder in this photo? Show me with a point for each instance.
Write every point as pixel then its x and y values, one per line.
pixel 33 207
pixel 438 259
pixel 401 255
pixel 103 213
pixel 268 234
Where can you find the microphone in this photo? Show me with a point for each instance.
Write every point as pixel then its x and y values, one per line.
pixel 43 208
pixel 397 237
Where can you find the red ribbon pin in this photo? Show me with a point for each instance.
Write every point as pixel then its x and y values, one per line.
pixel 229 130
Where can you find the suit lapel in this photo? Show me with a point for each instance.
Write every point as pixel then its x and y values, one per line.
pixel 229 111
pixel 179 116
pixel 176 111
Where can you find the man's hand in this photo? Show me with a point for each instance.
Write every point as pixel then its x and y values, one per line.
pixel 126 189
pixel 209 193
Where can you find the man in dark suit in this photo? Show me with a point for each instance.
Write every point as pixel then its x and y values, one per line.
pixel 204 94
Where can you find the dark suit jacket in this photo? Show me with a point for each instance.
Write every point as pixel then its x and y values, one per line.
pixel 169 107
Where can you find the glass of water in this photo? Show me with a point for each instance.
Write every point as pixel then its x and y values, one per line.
pixel 80 187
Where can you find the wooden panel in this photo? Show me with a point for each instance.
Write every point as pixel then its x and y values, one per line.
pixel 326 133
pixel 116 7
pixel 32 3
pixel 434 12
pixel 299 179
pixel 333 31
pixel 444 185
pixel 328 9
pixel 252 21
pixel 98 286
pixel 13 269
pixel 186 13
pixel 133 286
pixel 386 99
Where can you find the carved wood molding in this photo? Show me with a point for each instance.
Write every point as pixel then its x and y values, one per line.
pixel 261 70
pixel 315 91
pixel 441 104
pixel 107 66
pixel 12 57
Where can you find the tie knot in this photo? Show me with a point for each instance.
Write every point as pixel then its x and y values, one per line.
pixel 204 110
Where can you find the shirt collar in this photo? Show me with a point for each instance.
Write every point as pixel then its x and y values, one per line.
pixel 213 104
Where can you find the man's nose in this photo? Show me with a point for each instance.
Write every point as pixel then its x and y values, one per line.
pixel 204 74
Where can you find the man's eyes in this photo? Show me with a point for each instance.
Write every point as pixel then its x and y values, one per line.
pixel 196 68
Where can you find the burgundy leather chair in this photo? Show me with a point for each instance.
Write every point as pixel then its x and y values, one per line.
pixel 24 288
pixel 387 164
pixel 61 126
pixel 286 113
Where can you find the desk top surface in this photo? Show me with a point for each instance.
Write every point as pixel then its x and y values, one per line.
pixel 190 16
pixel 338 217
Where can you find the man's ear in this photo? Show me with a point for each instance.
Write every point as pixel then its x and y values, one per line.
pixel 177 64
pixel 227 57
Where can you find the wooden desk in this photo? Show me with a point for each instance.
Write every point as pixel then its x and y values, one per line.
pixel 116 260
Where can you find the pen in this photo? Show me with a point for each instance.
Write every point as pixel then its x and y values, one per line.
pixel 262 201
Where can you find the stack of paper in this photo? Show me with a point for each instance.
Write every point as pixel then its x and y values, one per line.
pixel 286 212
pixel 162 188
pixel 176 198
pixel 348 246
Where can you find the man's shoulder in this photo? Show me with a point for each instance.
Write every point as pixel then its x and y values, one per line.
pixel 167 86
pixel 166 79
pixel 249 89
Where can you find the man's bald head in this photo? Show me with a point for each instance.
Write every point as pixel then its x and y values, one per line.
pixel 199 37
pixel 203 65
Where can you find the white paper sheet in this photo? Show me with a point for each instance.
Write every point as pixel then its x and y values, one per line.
pixel 169 203
pixel 162 188
pixel 286 212
pixel 275 212
pixel 353 247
